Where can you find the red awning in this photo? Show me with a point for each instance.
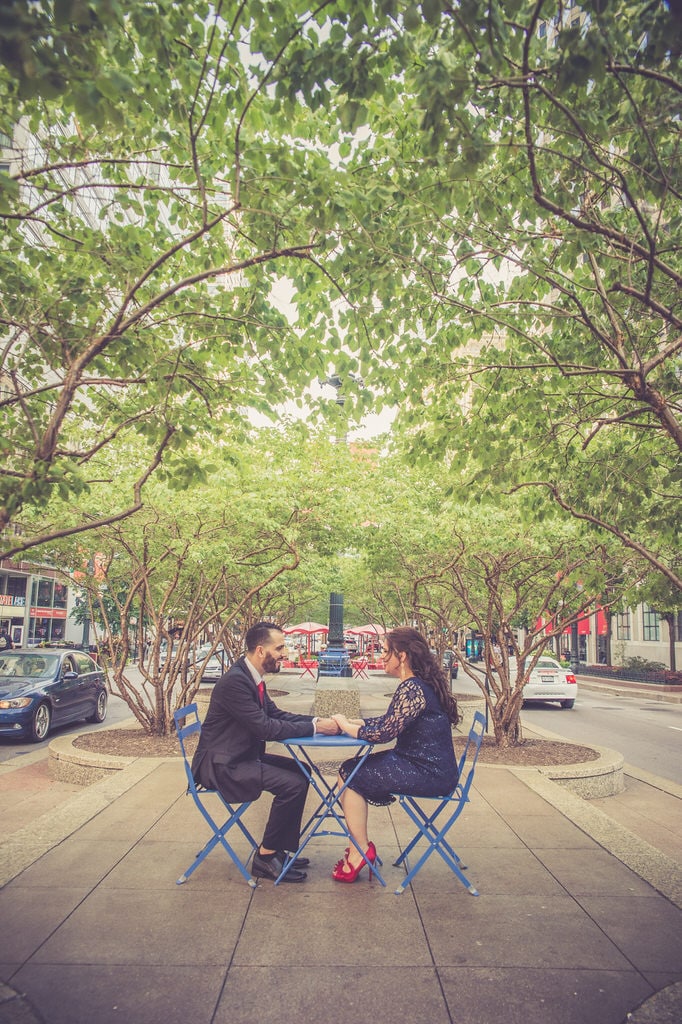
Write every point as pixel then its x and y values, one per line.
pixel 584 628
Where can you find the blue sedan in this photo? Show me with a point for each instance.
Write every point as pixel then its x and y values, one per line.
pixel 40 689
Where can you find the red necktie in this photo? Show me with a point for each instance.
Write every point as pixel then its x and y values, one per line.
pixel 261 692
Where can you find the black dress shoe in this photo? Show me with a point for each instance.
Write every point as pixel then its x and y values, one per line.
pixel 300 862
pixel 271 867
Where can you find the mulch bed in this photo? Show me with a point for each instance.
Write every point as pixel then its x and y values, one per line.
pixel 135 743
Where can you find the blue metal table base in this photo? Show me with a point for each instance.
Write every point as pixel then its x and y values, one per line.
pixel 329 796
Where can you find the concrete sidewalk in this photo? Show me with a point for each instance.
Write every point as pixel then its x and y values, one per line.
pixel 578 921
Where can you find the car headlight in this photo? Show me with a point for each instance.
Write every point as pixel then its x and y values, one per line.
pixel 16 702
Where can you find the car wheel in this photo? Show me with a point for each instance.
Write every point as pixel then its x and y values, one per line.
pixel 40 723
pixel 100 712
pixel 568 704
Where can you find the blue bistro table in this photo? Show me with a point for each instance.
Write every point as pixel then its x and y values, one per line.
pixel 329 808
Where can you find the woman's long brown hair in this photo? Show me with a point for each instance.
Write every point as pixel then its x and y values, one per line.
pixel 410 642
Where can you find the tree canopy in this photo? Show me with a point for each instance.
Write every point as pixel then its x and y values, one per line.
pixel 475 208
pixel 155 202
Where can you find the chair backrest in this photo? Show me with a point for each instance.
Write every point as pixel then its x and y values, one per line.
pixel 467 762
pixel 186 724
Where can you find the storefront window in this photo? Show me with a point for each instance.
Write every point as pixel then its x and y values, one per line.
pixel 48 611
pixel 45 630
pixel 42 593
pixel 15 586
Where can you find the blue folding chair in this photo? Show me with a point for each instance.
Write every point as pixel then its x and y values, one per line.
pixel 452 805
pixel 187 724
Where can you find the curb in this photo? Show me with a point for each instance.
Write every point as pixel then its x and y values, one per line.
pixel 621 689
pixel 653 866
pixel 68 763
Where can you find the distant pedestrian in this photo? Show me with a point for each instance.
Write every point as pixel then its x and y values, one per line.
pixel 5 640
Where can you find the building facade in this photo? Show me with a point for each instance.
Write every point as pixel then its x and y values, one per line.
pixel 36 605
pixel 639 632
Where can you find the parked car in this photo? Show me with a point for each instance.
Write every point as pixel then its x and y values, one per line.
pixel 216 666
pixel 549 681
pixel 164 649
pixel 43 688
pixel 451 663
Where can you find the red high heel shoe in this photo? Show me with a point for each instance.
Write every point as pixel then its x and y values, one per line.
pixel 346 872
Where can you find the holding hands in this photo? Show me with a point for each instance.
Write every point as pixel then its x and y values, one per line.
pixel 327 726
pixel 350 726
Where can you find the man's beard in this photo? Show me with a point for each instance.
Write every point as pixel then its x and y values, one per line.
pixel 270 665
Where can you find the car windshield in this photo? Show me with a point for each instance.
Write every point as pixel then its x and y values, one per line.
pixel 547 663
pixel 35 666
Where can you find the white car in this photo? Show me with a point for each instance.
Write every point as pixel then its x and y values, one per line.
pixel 549 681
pixel 216 666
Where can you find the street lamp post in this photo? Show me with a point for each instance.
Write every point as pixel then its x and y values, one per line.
pixel 85 642
pixel 336 382
pixel 575 653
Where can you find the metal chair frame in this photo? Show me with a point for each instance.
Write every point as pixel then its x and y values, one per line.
pixel 427 824
pixel 199 793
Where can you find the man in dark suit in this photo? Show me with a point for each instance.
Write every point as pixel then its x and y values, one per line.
pixel 231 754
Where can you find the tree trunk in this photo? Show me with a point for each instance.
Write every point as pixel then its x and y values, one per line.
pixel 609 625
pixel 505 719
pixel 669 618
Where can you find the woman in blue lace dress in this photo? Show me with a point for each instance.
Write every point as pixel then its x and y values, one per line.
pixel 420 718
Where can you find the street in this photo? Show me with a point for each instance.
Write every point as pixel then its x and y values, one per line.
pixel 648 733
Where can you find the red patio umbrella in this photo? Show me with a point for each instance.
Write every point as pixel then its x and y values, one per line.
pixel 306 629
pixel 372 629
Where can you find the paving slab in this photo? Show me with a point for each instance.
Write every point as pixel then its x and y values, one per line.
pixel 535 995
pixel 518 931
pixel 111 994
pixel 658 823
pixel 334 994
pixel 159 927
pixel 648 929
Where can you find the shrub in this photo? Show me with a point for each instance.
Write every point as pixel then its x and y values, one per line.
pixel 644 665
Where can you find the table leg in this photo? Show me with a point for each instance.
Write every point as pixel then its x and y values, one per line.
pixel 327 808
